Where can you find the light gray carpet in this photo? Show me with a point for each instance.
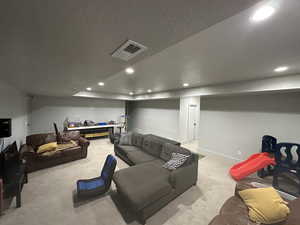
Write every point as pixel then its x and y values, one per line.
pixel 48 197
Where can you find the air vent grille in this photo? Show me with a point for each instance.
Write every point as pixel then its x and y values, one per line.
pixel 132 48
pixel 129 50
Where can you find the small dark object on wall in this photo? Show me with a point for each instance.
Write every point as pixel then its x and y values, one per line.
pixel 5 128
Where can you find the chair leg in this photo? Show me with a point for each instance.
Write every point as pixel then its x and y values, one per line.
pixel 298 175
pixel 18 199
pixel 275 179
pixel 26 178
pixel 141 219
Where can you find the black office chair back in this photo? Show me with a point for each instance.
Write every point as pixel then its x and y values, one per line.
pixel 268 144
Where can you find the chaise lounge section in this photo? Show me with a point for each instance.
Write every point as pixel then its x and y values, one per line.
pixel 147 186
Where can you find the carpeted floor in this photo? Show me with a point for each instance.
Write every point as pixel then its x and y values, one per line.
pixel 48 198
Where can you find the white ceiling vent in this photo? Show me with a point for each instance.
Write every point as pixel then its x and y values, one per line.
pixel 129 50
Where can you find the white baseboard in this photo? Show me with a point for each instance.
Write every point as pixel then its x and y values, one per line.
pixel 205 150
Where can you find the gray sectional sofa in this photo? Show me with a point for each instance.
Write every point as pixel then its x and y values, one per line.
pixel 146 186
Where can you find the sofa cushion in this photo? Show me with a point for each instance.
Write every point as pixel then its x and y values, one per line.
pixel 294 217
pixel 138 157
pixel 233 211
pixel 229 220
pixel 71 151
pixel 137 139
pixel 49 155
pixel 152 146
pixel 168 149
pixel 128 148
pixel 237 203
pixel 139 191
pixel 49 138
pixel 37 140
pixel 126 139
pixel 164 140
pixel 157 162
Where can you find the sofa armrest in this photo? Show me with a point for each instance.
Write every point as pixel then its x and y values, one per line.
pixel 27 154
pixel 26 150
pixel 185 176
pixel 83 142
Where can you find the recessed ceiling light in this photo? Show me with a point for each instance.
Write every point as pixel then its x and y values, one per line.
pixel 263 13
pixel 185 85
pixel 129 70
pixel 281 69
pixel 88 88
pixel 149 90
pixel 101 84
pixel 131 93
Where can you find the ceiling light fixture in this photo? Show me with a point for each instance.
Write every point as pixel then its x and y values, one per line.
pixel 88 88
pixel 131 93
pixel 129 70
pixel 281 69
pixel 101 84
pixel 185 85
pixel 263 13
pixel 149 90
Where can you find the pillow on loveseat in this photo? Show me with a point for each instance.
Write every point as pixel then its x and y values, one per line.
pixel 265 205
pixel 47 147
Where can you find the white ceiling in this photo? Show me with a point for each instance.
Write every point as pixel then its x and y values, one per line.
pixel 236 49
pixel 60 47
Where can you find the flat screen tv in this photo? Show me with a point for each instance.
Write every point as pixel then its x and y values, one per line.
pixel 5 128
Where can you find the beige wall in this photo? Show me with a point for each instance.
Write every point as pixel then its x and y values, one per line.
pixel 14 105
pixel 236 124
pixel 158 117
pixel 47 110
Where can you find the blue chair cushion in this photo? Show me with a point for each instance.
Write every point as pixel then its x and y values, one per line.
pixel 89 185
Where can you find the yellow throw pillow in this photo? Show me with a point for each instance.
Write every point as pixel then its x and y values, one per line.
pixel 265 205
pixel 47 147
pixel 71 144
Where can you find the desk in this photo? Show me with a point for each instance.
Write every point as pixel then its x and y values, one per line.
pixel 95 131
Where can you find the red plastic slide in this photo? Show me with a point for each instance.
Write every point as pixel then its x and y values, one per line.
pixel 252 164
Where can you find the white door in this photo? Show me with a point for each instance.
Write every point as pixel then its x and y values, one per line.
pixel 192 122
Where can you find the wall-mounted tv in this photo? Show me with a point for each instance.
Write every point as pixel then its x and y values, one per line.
pixel 5 128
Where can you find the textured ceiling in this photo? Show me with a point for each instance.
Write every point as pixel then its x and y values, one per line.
pixel 59 47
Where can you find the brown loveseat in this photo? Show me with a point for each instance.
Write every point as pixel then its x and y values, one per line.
pixel 235 212
pixel 36 161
